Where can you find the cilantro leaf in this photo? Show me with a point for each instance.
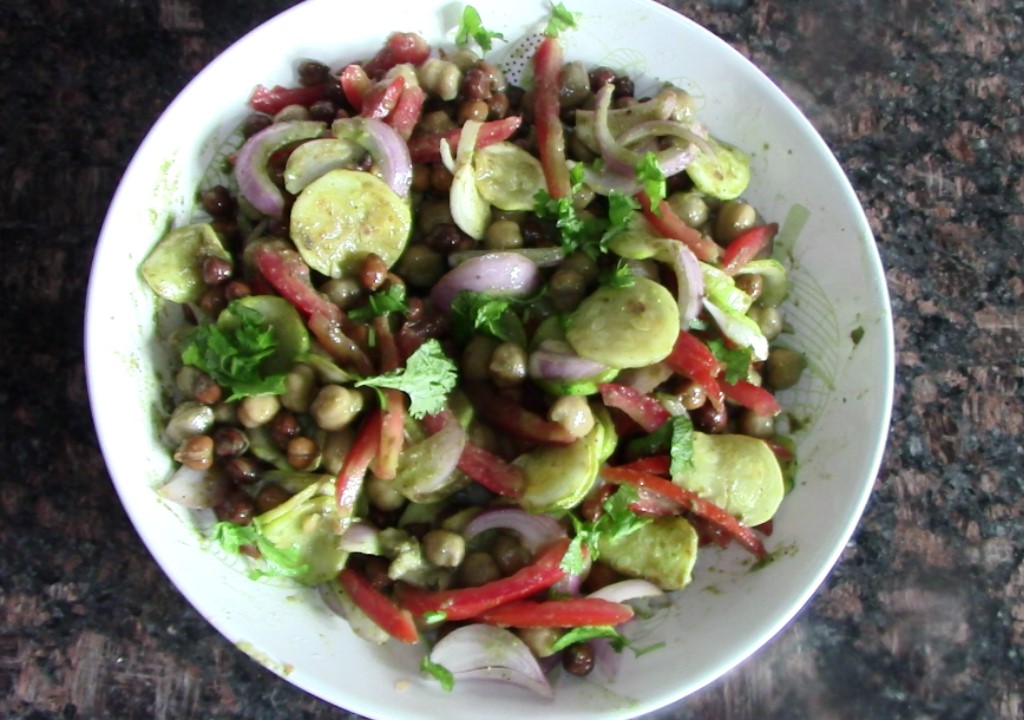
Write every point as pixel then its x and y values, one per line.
pixel 587 632
pixel 427 378
pixel 278 562
pixel 619 276
pixel 492 314
pixel 651 178
pixel 561 19
pixel 442 674
pixel 471 27
pixel 232 355
pixel 617 521
pixel 621 208
pixel 675 437
pixel 435 616
pixel 736 360
pixel 389 300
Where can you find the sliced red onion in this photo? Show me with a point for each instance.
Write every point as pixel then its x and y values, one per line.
pixel 556 360
pixel 544 257
pixel 627 590
pixel 338 601
pixel 607 659
pixel 534 530
pixel 361 537
pixel 251 164
pixel 499 273
pixel 486 652
pixel 428 466
pixel 571 583
pixel 689 279
pixel 387 148
pixel 616 158
pixel 195 489
pixel 662 128
pixel 604 181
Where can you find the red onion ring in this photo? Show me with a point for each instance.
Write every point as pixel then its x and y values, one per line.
pixel 251 164
pixel 387 148
pixel 195 489
pixel 487 652
pixel 555 360
pixel 534 530
pixel 498 273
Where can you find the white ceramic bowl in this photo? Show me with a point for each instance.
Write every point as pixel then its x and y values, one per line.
pixel 844 399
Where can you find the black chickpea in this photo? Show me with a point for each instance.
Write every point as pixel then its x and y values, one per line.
pixel 478 568
pixel 283 427
pixel 707 418
pixel 236 289
pixel 421 266
pixel 229 442
pixel 751 284
pixel 503 235
pixel 783 368
pixel 242 469
pixel 755 425
pixel 237 508
pixel 269 497
pixel 509 554
pixel 344 292
pixel 217 202
pixel 440 178
pixel 578 659
pixel 373 272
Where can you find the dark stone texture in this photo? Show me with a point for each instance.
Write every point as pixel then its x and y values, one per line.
pixel 924 616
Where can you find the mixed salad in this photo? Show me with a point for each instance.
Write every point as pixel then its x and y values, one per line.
pixel 484 362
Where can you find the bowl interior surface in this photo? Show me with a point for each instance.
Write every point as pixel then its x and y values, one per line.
pixel 838 309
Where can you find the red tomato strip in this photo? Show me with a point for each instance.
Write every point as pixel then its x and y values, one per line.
pixel 353 471
pixel 400 47
pixel 670 225
pixel 354 83
pixel 547 72
pixel 407 111
pixel 511 418
pixel 570 612
pixel 285 269
pixel 693 359
pixel 643 409
pixel 395 621
pixel 471 602
pixel 482 466
pixel 746 246
pixel 751 396
pixel 381 99
pixel 427 148
pixel 272 100
pixel 392 424
pixel 689 501
pixel 655 464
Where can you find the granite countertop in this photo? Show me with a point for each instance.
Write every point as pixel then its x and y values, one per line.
pixel 924 615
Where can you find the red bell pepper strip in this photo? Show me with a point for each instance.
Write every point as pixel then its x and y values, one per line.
pixel 400 47
pixel 407 111
pixel 655 464
pixel 484 467
pixel 746 246
pixel 511 418
pixel 689 501
pixel 393 620
pixel 381 99
pixel 693 359
pixel 751 396
pixel 570 612
pixel 272 100
pixel 467 603
pixel 643 409
pixel 427 148
pixel 354 83
pixel 670 225
pixel 547 71
pixel 285 269
pixel 353 470
pixel 392 424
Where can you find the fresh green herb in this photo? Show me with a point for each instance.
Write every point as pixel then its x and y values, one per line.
pixel 435 616
pixel 561 19
pixel 651 179
pixel 588 235
pixel 619 276
pixel 442 674
pixel 389 300
pixel 588 632
pixel 232 355
pixel 278 562
pixel 616 522
pixel 473 311
pixel 637 652
pixel 736 360
pixel 675 437
pixel 471 28
pixel 427 378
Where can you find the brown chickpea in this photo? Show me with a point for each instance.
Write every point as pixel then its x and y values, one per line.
pixel 283 428
pixel 440 178
pixel 373 271
pixel 759 426
pixel 497 106
pixel 215 270
pixel 783 368
pixel 690 207
pixel 509 554
pixel 343 292
pixel 436 122
pixel 473 110
pixel 691 395
pixel 421 266
pixel 751 284
pixel 196 452
pixel 236 289
pixel 420 178
pixel 206 390
pixel 302 452
pixel 477 569
pixel 503 235
pixel 566 289
pixel 269 497
pixel 443 548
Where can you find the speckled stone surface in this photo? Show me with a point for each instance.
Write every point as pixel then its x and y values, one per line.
pixel 923 617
